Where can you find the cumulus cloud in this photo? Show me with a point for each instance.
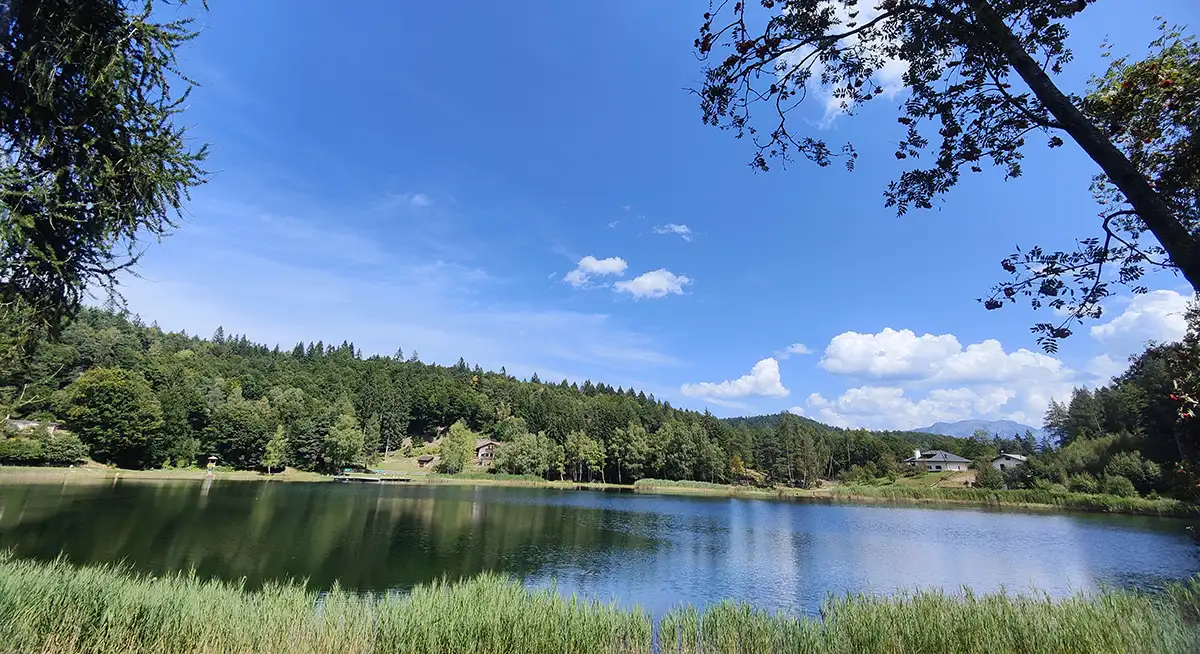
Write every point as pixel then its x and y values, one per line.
pixel 890 407
pixel 892 354
pixel 1155 316
pixel 683 231
pixel 795 349
pixel 589 267
pixel 1105 368
pixel 763 381
pixel 654 284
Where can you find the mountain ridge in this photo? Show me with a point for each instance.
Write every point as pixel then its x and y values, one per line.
pixel 964 428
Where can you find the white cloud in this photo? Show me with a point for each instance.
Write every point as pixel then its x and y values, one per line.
pixel 613 224
pixel 892 354
pixel 1156 316
pixel 420 200
pixel 795 348
pixel 1105 367
pixel 590 267
pixel 763 381
pixel 889 407
pixel 683 231
pixel 889 77
pixel 654 284
pixel 796 410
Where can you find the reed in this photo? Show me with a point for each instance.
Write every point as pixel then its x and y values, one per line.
pixel 932 621
pixel 58 608
pixel 1032 497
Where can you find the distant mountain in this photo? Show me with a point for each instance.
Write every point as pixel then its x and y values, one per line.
pixel 964 428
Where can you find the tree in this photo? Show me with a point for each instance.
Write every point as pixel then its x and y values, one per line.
pixel 457 449
pixel 239 430
pixel 628 450
pixel 276 450
pixel 116 414
pixel 988 477
pixel 524 455
pixel 371 439
pixel 958 59
pixel 94 162
pixel 344 442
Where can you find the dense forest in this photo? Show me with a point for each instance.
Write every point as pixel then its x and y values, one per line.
pixel 136 396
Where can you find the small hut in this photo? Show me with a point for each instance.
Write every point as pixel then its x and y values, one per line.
pixel 424 460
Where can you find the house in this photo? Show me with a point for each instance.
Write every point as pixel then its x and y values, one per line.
pixel 937 461
pixel 485 449
pixel 21 425
pixel 424 461
pixel 1005 461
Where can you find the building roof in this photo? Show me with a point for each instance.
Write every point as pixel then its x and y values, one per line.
pixel 485 441
pixel 938 456
pixel 1018 457
pixel 425 457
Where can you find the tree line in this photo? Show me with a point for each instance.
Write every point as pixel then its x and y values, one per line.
pixel 142 397
pixel 137 396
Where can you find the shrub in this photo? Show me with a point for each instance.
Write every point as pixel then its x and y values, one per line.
pixel 1083 483
pixel 21 450
pixel 989 477
pixel 1119 486
pixel 63 449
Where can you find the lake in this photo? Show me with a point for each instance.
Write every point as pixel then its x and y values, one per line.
pixel 652 550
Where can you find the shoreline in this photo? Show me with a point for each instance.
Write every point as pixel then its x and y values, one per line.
pixel 872 495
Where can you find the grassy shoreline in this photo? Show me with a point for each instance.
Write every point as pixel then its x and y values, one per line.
pixel 1032 500
pixel 57 607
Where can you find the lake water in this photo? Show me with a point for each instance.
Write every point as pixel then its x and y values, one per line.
pixel 652 550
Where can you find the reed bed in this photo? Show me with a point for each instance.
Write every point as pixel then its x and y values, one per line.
pixel 932 621
pixel 1068 501
pixel 57 608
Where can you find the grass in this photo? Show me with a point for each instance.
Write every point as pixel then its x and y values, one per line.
pixel 1027 498
pixel 55 607
pixel 59 608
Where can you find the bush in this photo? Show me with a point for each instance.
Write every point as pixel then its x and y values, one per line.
pixel 1083 483
pixel 989 477
pixel 1119 486
pixel 64 449
pixel 21 450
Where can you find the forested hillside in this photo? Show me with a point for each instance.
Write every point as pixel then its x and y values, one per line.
pixel 141 397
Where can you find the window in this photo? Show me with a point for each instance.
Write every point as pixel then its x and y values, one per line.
pixel 1001 466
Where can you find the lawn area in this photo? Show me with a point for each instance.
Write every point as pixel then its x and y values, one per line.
pixel 933 479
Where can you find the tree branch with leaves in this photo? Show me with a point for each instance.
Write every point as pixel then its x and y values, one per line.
pixel 979 88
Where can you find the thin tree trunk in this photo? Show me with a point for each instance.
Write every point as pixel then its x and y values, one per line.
pixel 1183 250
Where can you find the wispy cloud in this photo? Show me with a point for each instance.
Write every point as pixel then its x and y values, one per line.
pixel 682 231
pixel 398 296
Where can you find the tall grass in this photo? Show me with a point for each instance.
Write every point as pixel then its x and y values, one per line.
pixel 61 609
pixel 936 622
pixel 1070 501
pixel 56 607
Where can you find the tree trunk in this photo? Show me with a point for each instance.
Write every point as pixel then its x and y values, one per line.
pixel 1183 250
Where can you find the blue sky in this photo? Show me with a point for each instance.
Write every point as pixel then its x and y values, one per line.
pixel 534 189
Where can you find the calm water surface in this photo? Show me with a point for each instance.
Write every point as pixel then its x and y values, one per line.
pixel 655 551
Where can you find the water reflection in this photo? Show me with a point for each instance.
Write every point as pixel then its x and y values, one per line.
pixel 652 550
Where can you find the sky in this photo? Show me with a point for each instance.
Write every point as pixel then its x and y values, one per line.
pixel 533 188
